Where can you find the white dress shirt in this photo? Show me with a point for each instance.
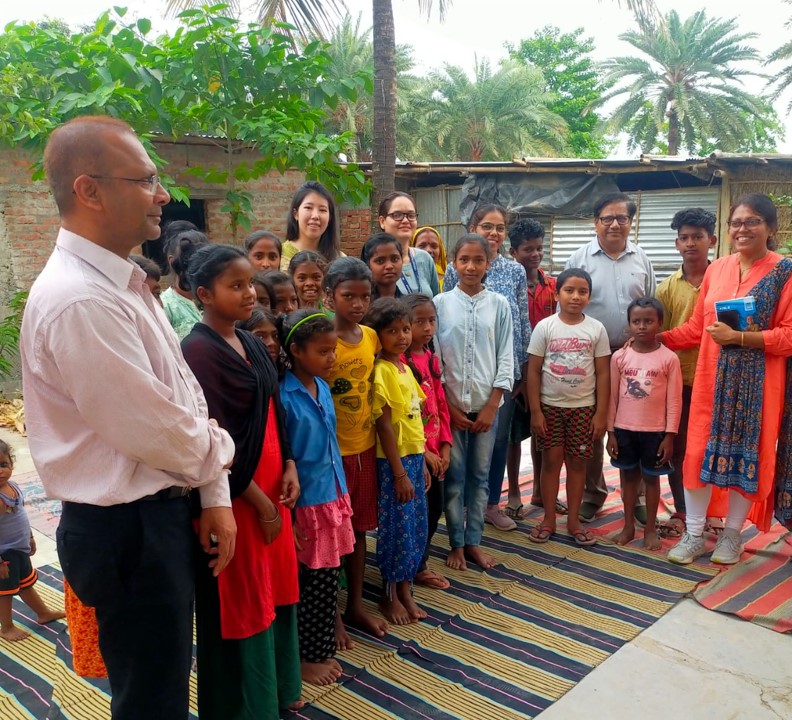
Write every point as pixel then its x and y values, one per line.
pixel 113 411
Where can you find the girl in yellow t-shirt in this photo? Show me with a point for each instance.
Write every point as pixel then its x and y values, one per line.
pixel 403 479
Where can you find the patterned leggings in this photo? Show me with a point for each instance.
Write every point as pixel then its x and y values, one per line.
pixel 316 613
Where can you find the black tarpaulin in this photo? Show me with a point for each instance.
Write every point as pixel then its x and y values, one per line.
pixel 564 194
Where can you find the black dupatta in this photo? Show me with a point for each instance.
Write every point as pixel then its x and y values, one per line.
pixel 237 395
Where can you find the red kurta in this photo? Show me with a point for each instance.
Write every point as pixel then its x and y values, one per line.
pixel 259 576
pixel 722 282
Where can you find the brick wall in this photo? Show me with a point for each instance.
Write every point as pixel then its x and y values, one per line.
pixel 355 229
pixel 29 221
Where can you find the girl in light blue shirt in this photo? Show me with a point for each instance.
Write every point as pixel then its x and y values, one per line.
pixel 475 337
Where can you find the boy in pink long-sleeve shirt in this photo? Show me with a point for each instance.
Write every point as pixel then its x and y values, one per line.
pixel 643 416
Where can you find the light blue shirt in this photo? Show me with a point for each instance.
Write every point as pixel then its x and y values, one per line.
pixel 506 278
pixel 419 275
pixel 311 426
pixel 615 284
pixel 476 341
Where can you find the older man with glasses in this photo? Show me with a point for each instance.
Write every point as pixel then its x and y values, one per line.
pixel 620 272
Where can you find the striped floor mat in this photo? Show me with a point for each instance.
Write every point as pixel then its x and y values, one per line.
pixel 506 643
pixel 759 589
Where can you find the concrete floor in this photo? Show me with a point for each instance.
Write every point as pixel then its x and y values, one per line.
pixel 692 663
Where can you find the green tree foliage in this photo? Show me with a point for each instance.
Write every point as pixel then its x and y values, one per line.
pixel 239 86
pixel 352 54
pixel 570 73
pixel 493 116
pixel 684 90
pixel 309 19
pixel 10 327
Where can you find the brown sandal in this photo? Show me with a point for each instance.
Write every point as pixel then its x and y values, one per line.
pixel 674 527
pixel 541 533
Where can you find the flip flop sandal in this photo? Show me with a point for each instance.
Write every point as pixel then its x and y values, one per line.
pixel 560 506
pixel 673 528
pixel 432 579
pixel 541 533
pixel 584 538
pixel 515 513
pixel 714 526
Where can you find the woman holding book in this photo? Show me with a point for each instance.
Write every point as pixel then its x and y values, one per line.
pixel 741 382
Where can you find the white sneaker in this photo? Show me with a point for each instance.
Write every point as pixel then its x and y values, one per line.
pixel 687 549
pixel 728 549
pixel 495 516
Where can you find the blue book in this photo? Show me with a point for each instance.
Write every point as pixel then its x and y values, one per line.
pixel 738 314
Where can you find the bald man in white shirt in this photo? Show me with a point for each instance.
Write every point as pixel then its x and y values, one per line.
pixel 117 423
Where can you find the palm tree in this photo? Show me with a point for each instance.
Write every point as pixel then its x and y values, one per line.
pixel 685 85
pixel 312 18
pixel 494 116
pixel 782 80
pixel 351 52
pixel 312 15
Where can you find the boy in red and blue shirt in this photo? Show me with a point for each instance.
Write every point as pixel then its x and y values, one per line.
pixel 526 238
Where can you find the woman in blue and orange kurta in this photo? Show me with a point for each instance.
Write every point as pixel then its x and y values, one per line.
pixel 738 394
pixel 247 650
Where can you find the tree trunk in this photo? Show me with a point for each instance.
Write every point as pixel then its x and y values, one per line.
pixel 383 152
pixel 673 131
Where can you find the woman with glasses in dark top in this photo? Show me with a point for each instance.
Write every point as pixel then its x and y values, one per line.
pixel 398 217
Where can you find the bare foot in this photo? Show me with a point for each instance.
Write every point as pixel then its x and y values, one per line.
pixel 335 665
pixel 343 641
pixel 299 705
pixel 363 621
pixel 416 612
pixel 14 633
pixel 456 559
pixel 394 611
pixel 50 616
pixel 318 673
pixel 478 556
pixel 651 541
pixel 627 535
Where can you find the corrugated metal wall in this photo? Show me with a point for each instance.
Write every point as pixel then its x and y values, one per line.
pixel 652 224
pixel 439 207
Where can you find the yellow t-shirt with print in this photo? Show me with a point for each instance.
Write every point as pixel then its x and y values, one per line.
pixel 350 386
pixel 401 392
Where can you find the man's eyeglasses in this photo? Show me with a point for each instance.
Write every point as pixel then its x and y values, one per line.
pixel 399 215
pixel 151 182
pixel 621 219
pixel 489 227
pixel 749 223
